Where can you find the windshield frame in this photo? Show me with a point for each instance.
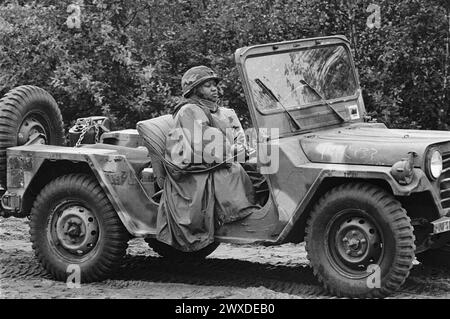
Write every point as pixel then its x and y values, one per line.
pixel 295 48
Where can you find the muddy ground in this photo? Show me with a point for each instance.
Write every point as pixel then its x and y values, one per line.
pixel 244 272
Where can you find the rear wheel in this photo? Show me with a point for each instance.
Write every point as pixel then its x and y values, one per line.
pixel 360 242
pixel 74 224
pixel 25 111
pixel 169 252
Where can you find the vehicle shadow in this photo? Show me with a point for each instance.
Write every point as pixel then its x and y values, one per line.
pixel 298 280
pixel 295 280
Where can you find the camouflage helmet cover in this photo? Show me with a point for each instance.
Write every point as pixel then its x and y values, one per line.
pixel 195 77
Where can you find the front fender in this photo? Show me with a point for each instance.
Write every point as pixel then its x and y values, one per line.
pixel 420 182
pixel 351 173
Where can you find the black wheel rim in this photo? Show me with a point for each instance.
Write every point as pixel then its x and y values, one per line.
pixel 34 122
pixel 354 242
pixel 73 231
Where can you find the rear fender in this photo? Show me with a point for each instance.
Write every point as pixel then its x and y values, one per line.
pixel 30 168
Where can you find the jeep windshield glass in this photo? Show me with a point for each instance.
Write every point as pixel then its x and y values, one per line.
pixel 328 69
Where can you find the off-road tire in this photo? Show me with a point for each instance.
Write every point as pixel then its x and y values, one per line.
pixel 387 221
pixel 436 258
pixel 169 252
pixel 19 104
pixel 110 246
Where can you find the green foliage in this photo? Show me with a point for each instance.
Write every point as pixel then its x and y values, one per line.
pixel 127 59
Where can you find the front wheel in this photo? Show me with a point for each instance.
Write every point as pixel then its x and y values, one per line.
pixel 360 242
pixel 74 226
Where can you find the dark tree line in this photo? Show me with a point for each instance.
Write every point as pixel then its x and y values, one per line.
pixel 125 59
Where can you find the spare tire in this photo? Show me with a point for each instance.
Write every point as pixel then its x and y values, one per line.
pixel 24 111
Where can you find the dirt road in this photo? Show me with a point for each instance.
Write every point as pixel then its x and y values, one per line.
pixel 242 272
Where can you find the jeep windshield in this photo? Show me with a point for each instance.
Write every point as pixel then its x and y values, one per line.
pixel 327 69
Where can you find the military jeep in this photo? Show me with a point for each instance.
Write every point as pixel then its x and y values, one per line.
pixel 366 199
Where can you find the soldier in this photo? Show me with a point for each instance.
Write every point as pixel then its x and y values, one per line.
pixel 217 191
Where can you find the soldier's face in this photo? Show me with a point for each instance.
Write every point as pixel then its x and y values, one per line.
pixel 209 91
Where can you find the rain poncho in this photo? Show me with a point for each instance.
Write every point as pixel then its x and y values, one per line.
pixel 193 204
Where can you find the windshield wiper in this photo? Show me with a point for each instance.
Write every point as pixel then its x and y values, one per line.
pixel 323 99
pixel 270 93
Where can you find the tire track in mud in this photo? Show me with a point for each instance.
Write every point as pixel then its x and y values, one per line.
pixel 138 271
pixel 142 267
pixel 217 272
pixel 427 281
pixel 22 268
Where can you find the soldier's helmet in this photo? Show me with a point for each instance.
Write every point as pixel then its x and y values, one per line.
pixel 197 76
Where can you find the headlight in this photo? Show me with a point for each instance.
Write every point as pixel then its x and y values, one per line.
pixel 434 164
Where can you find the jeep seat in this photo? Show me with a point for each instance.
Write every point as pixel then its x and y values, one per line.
pixel 137 157
pixel 154 133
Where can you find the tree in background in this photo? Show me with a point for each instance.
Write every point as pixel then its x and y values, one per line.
pixel 125 59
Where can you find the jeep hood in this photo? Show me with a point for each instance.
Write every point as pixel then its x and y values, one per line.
pixel 368 144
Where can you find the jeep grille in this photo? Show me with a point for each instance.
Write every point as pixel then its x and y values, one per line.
pixel 445 181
